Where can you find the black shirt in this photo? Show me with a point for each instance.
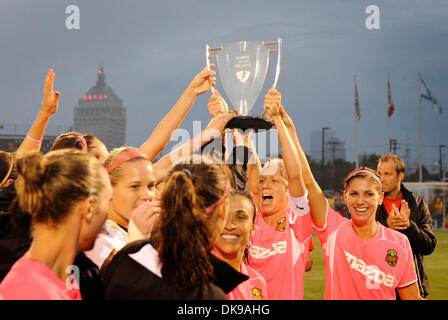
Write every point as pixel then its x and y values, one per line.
pixel 125 278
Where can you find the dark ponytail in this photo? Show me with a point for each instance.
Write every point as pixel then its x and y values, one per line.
pixel 184 234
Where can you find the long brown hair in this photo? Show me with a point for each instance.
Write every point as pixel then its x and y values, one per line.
pixel 184 233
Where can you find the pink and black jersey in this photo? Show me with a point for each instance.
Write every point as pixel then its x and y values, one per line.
pixel 30 279
pixel 253 288
pixel 279 252
pixel 363 269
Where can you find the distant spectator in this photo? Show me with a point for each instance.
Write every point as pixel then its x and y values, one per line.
pixel 438 213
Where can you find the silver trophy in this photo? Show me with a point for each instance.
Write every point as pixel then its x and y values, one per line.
pixel 242 68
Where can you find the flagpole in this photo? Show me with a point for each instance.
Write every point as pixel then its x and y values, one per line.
pixel 356 134
pixel 388 118
pixel 420 178
pixel 356 142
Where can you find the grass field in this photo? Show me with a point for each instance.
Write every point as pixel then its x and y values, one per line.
pixel 436 266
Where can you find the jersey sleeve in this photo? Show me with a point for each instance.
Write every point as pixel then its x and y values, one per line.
pixel 409 274
pixel 333 219
pixel 299 216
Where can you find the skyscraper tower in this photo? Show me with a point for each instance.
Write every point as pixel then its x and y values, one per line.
pixel 100 112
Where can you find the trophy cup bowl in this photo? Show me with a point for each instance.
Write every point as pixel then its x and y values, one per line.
pixel 242 68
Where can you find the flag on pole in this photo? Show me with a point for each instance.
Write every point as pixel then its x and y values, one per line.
pixel 390 102
pixel 428 96
pixel 357 109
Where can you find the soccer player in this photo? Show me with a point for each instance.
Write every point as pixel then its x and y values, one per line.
pixel 67 194
pixel 280 244
pixel 233 244
pixel 176 262
pixel 363 259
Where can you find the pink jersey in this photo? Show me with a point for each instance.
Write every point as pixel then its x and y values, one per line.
pixel 30 279
pixel 252 289
pixel 279 253
pixel 363 269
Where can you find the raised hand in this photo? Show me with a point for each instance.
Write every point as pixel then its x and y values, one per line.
pixel 203 81
pixel 145 215
pixel 217 105
pixel 50 100
pixel 272 103
pixel 399 219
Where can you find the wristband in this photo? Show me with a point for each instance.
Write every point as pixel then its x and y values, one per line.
pixel 33 139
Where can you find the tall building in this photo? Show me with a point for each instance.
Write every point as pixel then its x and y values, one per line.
pixel 100 112
pixel 334 147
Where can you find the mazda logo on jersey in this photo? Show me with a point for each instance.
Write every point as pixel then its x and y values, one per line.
pixel 371 272
pixel 258 252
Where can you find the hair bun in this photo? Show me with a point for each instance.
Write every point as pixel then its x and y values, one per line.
pixel 32 167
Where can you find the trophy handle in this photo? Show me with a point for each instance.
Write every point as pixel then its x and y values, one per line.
pixel 208 57
pixel 279 62
pixel 279 59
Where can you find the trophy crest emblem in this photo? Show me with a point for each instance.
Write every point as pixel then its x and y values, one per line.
pixel 391 257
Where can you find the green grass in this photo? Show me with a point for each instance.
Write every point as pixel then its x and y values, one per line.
pixel 314 281
pixel 436 266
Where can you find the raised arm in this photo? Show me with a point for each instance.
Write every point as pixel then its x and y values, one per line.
pixel 50 103
pixel 293 168
pixel 172 120
pixel 217 105
pixel 213 130
pixel 318 203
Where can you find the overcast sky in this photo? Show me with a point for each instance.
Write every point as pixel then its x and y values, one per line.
pixel 150 51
